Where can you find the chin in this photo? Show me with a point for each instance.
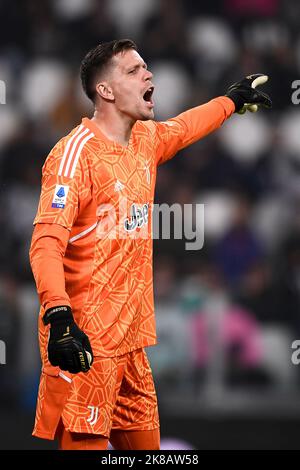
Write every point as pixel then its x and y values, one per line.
pixel 147 116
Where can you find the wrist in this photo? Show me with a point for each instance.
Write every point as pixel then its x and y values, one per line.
pixel 237 100
pixel 59 314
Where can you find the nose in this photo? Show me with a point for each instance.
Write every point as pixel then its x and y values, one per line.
pixel 148 75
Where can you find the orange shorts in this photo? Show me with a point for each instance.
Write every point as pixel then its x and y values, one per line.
pixel 117 393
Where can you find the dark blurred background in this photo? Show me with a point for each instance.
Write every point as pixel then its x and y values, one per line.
pixel 227 314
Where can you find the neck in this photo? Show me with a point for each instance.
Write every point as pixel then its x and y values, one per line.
pixel 114 126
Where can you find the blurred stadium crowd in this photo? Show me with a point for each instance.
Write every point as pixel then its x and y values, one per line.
pixel 227 314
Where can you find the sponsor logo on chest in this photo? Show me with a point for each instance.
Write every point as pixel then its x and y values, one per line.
pixel 139 217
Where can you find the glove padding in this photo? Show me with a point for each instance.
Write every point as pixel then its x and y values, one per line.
pixel 245 95
pixel 68 347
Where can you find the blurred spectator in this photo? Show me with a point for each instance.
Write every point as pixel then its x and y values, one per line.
pixel 165 33
pixel 213 45
pixel 170 357
pixel 239 248
pixel 268 298
pixel 227 345
pixel 275 308
pixel 252 7
pixel 10 334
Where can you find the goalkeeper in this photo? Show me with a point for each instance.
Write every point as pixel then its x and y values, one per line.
pixel 94 282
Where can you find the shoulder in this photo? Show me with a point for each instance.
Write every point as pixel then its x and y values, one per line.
pixel 67 154
pixel 157 128
pixel 147 128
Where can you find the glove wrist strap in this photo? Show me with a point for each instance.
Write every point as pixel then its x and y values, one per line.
pixel 238 100
pixel 60 314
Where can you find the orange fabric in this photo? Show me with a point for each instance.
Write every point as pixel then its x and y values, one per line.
pixel 135 440
pixel 48 248
pixel 75 441
pixel 117 393
pixel 107 279
pixel 52 396
pixel 120 440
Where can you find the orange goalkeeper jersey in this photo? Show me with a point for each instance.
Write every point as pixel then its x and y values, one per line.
pixel 92 244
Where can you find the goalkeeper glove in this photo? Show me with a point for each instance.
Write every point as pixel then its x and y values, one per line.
pixel 245 96
pixel 68 347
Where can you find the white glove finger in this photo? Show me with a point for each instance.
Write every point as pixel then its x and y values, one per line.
pixel 89 356
pixel 259 81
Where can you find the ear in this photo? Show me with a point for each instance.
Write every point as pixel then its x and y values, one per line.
pixel 105 91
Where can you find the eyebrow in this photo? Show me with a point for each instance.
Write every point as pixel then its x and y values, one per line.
pixel 136 66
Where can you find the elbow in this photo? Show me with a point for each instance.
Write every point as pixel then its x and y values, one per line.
pixel 47 240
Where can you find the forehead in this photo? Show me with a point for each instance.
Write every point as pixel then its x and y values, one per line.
pixel 125 59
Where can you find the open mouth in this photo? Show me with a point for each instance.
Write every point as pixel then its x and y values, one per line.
pixel 148 95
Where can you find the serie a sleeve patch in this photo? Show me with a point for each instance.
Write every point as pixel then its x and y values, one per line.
pixel 60 196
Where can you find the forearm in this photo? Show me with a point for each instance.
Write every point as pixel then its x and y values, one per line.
pixel 47 250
